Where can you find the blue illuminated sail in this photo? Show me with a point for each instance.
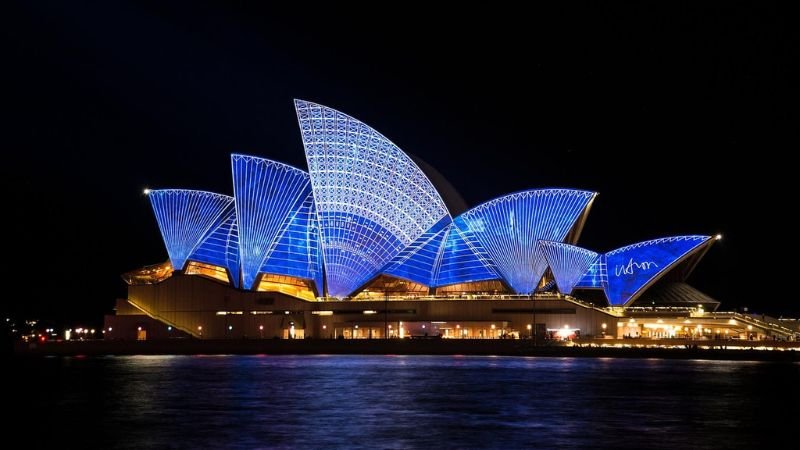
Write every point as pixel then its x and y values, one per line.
pixel 267 194
pixel 221 247
pixel 596 276
pixel 567 262
pixel 509 228
pixel 418 261
pixel 296 252
pixel 185 218
pixel 463 260
pixel 372 200
pixel 633 268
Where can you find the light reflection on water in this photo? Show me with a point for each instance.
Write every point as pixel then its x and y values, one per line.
pixel 406 401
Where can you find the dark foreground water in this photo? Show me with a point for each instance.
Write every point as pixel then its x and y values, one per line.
pixel 401 402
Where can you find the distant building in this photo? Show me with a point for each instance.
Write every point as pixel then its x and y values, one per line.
pixel 363 245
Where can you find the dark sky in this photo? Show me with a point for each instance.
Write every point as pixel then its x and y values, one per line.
pixel 671 112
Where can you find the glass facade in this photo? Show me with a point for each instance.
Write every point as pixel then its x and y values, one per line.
pixel 567 262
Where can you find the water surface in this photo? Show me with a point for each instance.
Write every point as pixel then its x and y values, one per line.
pixel 403 402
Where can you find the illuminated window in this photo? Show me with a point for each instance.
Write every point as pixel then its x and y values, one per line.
pixel 293 286
pixel 148 274
pixel 207 270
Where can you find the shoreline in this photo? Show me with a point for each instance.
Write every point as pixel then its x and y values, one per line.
pixel 714 350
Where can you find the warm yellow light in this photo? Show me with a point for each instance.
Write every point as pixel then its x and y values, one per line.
pixel 718 236
pixel 322 313
pixel 604 326
pixel 529 326
pixel 200 327
pixel 147 191
pixel 493 326
pixel 732 322
pixel 370 311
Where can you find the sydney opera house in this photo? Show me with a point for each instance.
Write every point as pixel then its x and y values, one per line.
pixel 372 243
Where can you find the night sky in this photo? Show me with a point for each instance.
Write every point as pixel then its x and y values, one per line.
pixel 672 113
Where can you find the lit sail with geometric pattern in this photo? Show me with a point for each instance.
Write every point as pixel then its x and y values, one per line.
pixel 596 276
pixel 633 268
pixel 418 261
pixel 462 260
pixel 567 262
pixel 509 228
pixel 185 217
pixel 296 251
pixel 267 194
pixel 372 200
pixel 221 246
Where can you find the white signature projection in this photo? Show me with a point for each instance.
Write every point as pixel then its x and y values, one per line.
pixel 632 267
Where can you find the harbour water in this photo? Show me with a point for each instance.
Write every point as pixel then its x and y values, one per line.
pixel 401 402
